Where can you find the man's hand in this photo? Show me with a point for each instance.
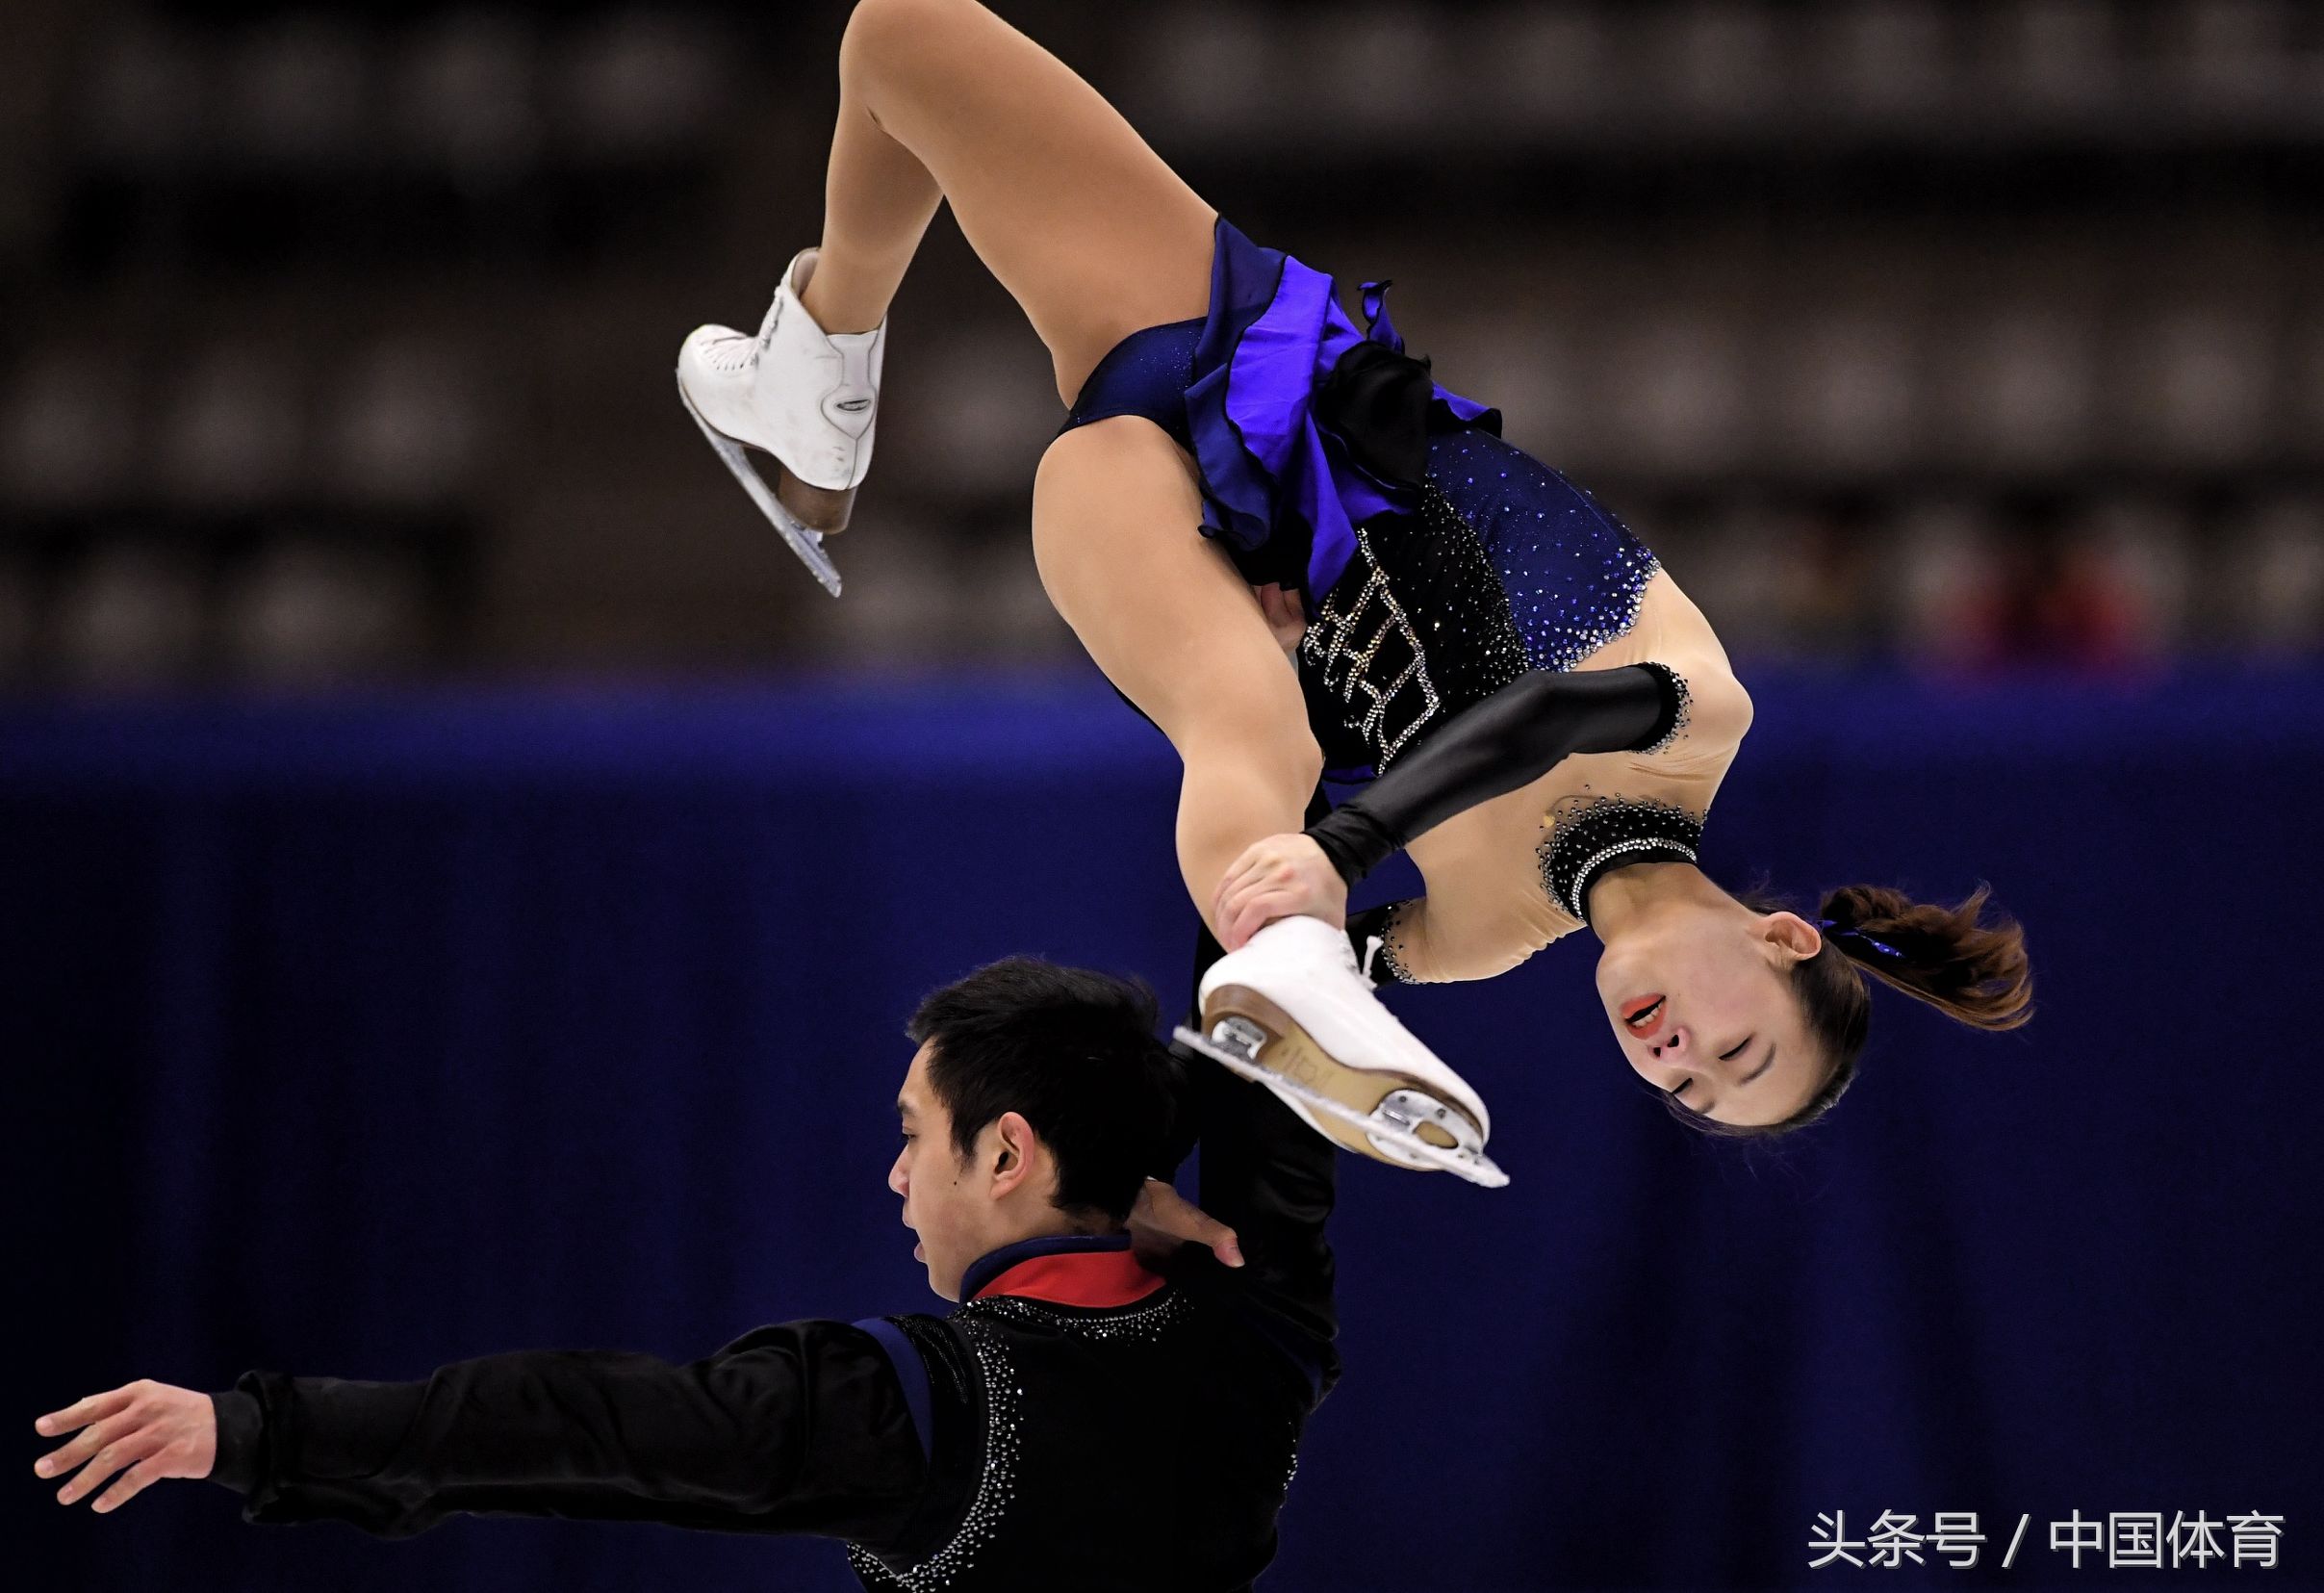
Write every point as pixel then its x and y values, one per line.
pixel 1164 1220
pixel 151 1428
pixel 1277 878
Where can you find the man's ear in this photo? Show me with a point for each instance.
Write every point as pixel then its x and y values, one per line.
pixel 1012 1151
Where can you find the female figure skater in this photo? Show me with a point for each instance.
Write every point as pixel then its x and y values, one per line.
pixel 1241 474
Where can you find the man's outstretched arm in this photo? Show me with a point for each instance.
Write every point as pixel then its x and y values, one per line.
pixel 801 1427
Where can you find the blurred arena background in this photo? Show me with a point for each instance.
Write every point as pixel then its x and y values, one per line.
pixel 1960 333
pixel 460 880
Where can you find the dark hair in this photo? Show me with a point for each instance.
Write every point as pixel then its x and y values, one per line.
pixel 1072 1049
pixel 1970 970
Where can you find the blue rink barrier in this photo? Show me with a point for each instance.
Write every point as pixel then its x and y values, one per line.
pixel 358 1034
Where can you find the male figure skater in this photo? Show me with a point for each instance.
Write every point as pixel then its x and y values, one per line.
pixel 1074 1389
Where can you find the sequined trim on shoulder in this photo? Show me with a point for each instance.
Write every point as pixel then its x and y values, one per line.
pixel 1598 832
pixel 1148 1321
pixel 1679 720
pixel 996 1485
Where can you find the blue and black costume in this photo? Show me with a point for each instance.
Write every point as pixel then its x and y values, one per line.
pixel 1453 579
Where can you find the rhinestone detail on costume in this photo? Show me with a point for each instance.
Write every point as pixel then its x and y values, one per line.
pixel 1461 596
pixel 1348 662
pixel 1390 958
pixel 1600 831
pixel 1573 572
pixel 1145 1324
pixel 1686 707
pixel 996 1486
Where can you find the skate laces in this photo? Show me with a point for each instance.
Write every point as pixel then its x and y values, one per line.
pixel 730 354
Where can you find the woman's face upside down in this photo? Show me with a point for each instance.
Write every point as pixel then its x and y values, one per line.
pixel 1701 1004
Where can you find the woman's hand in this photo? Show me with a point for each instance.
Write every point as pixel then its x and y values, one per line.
pixel 1286 616
pixel 1277 878
pixel 1164 1220
pixel 151 1428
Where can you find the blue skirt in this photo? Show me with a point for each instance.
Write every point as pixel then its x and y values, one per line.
pixel 1302 426
pixel 1438 562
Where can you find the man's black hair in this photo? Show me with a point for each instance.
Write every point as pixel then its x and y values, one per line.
pixel 1075 1053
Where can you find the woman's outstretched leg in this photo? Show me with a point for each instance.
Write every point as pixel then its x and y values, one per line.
pixel 1076 215
pixel 1164 614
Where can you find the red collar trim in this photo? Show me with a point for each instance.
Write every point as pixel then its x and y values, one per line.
pixel 1095 1278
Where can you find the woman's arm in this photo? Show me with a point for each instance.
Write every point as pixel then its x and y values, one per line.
pixel 1488 750
pixel 1509 739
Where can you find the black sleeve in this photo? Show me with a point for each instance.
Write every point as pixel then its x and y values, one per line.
pixel 1513 736
pixel 1270 1179
pixel 800 1428
pixel 241 1437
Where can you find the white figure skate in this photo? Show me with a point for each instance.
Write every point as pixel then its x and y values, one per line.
pixel 805 397
pixel 1291 1011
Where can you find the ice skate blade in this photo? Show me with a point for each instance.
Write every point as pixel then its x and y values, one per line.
pixel 1351 1127
pixel 806 544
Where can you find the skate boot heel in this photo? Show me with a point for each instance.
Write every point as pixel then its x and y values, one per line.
pixel 817 508
pixel 1386 1116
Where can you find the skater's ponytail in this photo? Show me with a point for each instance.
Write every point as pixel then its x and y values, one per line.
pixel 1950 957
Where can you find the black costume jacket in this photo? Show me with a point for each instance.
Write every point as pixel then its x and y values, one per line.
pixel 1078 1422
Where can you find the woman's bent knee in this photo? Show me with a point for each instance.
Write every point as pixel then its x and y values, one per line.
pixel 881 33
